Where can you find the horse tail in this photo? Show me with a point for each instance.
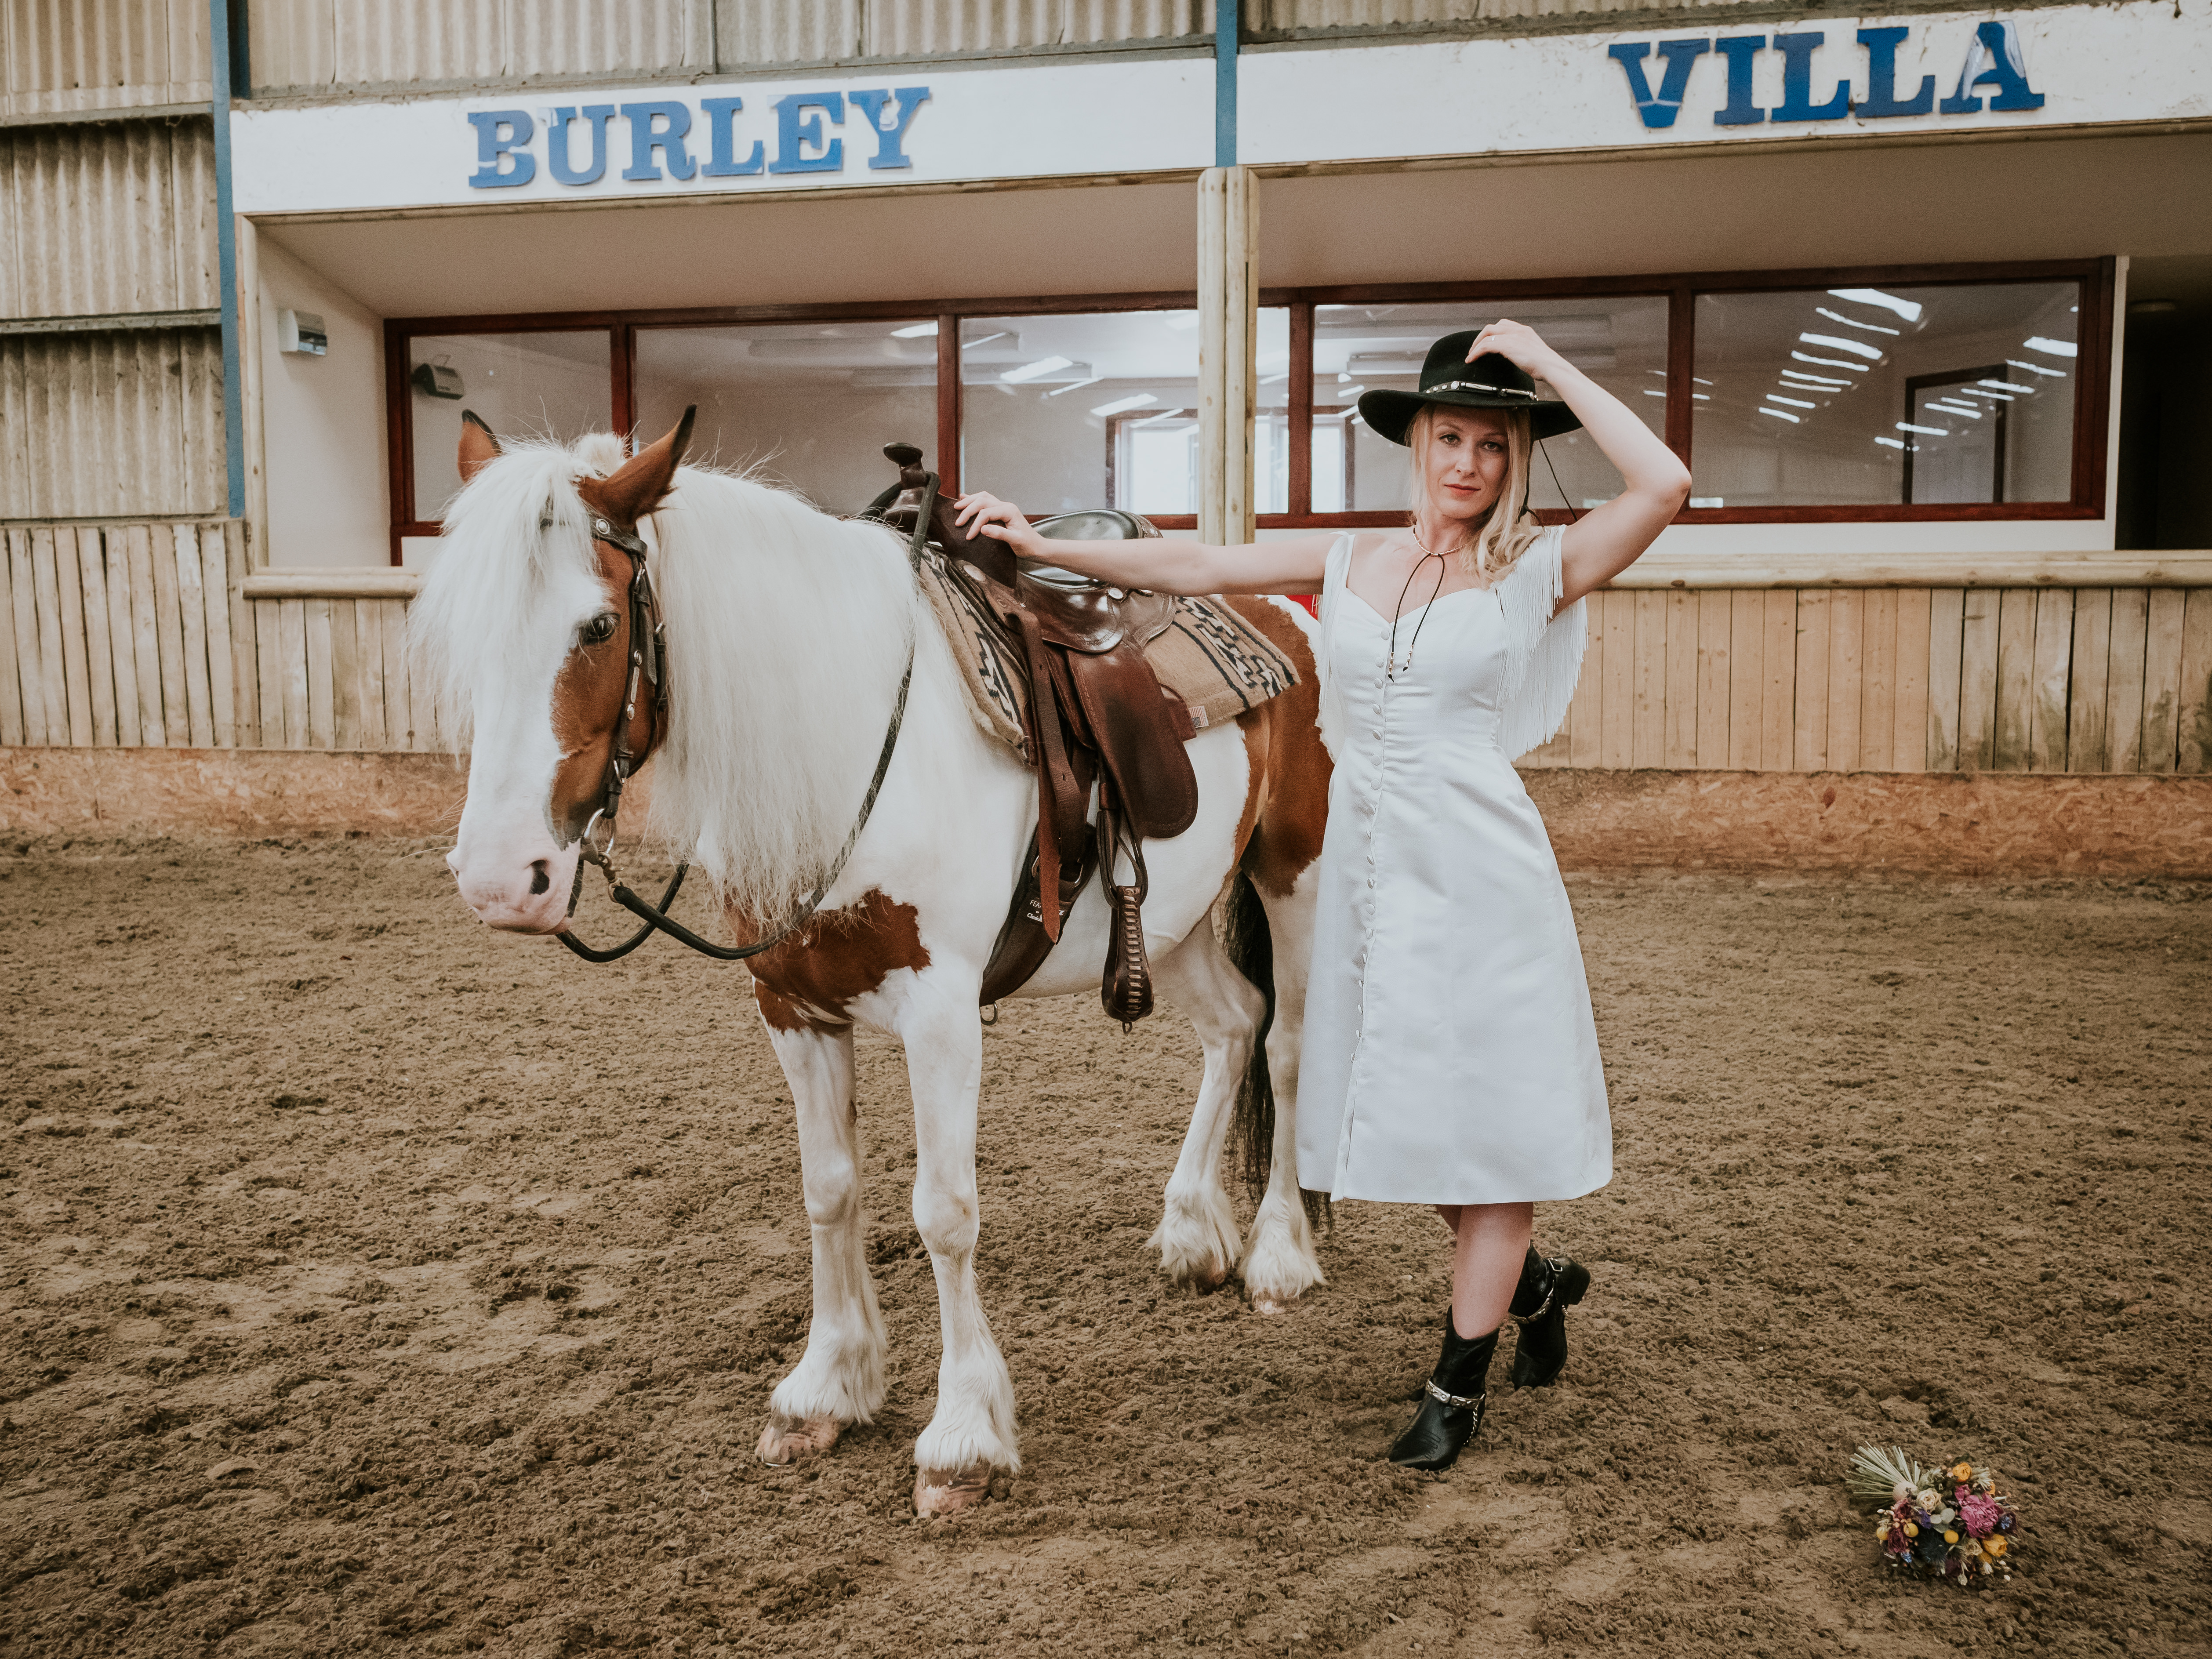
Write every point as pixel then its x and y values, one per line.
pixel 1250 947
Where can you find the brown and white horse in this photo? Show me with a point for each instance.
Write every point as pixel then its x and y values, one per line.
pixel 788 632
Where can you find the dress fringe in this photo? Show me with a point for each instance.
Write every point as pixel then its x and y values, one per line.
pixel 1547 650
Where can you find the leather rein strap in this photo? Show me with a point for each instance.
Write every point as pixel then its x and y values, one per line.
pixel 648 664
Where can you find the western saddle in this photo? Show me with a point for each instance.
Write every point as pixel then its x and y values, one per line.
pixel 1098 718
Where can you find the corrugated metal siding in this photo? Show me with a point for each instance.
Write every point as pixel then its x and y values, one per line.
pixel 107 216
pixel 309 46
pixel 99 426
pixel 611 37
pixel 920 28
pixel 64 56
pixel 748 32
pixel 1283 18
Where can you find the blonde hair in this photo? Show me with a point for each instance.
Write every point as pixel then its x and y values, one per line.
pixel 1507 531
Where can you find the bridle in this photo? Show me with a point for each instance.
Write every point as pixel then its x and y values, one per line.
pixel 648 669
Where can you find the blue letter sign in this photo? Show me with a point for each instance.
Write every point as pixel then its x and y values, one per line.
pixel 1993 61
pixel 662 131
pixel 559 158
pixel 795 128
pixel 501 136
pixel 889 154
pixel 669 141
pixel 1659 111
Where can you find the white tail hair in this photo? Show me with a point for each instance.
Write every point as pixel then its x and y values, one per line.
pixel 788 633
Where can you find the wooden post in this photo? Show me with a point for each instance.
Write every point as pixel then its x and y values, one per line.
pixel 1227 345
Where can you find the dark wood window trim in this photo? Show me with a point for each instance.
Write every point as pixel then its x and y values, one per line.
pixel 2092 411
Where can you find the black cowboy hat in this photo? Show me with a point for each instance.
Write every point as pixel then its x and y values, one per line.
pixel 1489 382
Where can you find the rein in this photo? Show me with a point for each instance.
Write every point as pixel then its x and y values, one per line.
pixel 648 663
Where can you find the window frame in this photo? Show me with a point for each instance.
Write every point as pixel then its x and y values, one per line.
pixel 2093 411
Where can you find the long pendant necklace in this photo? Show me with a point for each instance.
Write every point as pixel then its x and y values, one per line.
pixel 1391 667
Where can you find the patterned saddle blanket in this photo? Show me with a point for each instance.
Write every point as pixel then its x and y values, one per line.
pixel 1208 658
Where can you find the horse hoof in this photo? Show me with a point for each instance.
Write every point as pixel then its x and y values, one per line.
pixel 938 1492
pixel 1269 1306
pixel 1208 1280
pixel 786 1444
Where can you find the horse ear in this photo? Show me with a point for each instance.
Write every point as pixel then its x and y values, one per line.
pixel 642 481
pixel 478 445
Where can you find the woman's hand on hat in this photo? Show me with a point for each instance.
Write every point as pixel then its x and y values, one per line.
pixel 1002 521
pixel 1518 343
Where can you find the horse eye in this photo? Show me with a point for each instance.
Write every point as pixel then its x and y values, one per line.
pixel 599 629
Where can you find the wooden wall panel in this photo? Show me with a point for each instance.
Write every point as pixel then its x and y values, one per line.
pixel 1714 612
pixel 1778 696
pixel 192 622
pixel 244 646
pixel 2087 749
pixel 1915 671
pixel 1679 714
pixel 1846 677
pixel 322 711
pixel 2161 727
pixel 2124 678
pixel 11 683
pixel 2015 705
pixel 215 602
pixel 1978 680
pixel 1809 746
pixel 1878 682
pixel 398 718
pixel 2053 663
pixel 2194 722
pixel 54 682
pixel 1616 711
pixel 1947 637
pixel 98 649
pixel 1746 676
pixel 292 670
pixel 122 638
pixel 1648 727
pixel 146 635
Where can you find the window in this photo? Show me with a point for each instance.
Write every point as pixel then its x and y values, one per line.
pixel 548 384
pixel 808 406
pixel 1896 396
pixel 1846 395
pixel 1089 409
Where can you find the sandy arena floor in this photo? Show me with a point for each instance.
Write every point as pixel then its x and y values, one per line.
pixel 374 1285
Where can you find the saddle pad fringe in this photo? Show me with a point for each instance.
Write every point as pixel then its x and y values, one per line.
pixel 1217 664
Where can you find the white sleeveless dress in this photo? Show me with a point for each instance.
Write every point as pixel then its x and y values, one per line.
pixel 1449 1054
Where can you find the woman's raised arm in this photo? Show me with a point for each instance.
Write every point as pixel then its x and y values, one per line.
pixel 1606 540
pixel 1169 564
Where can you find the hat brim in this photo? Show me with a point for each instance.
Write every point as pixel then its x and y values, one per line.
pixel 1391 413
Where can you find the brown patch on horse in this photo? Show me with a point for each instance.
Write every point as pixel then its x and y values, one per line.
pixel 808 980
pixel 588 702
pixel 1293 806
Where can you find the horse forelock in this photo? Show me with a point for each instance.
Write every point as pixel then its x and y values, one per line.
pixel 515 536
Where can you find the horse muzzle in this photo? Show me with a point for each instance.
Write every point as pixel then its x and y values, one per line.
pixel 515 893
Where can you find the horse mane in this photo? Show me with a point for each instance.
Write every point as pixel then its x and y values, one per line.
pixel 788 633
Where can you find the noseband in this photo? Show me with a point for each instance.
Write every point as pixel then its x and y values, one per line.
pixel 649 668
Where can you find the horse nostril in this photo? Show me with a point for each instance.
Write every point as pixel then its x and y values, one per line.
pixel 541 878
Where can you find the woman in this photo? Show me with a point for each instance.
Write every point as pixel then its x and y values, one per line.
pixel 1450 1057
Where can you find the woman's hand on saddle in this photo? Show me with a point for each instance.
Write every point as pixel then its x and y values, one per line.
pixel 1002 521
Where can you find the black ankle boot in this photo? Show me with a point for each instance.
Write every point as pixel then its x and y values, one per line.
pixel 1451 1403
pixel 1546 1291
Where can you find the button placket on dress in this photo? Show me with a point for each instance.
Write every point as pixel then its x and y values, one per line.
pixel 1380 687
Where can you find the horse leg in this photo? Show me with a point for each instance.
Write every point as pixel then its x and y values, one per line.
pixel 840 1378
pixel 1281 1262
pixel 970 1435
pixel 1197 1235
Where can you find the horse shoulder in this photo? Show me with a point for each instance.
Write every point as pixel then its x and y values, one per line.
pixel 812 979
